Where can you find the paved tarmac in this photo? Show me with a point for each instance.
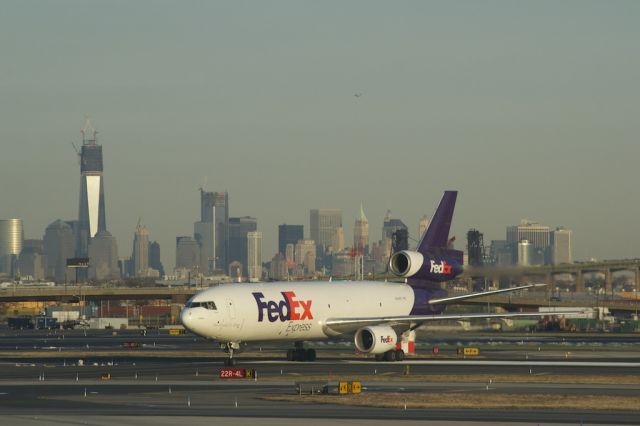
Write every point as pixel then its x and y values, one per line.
pixel 46 389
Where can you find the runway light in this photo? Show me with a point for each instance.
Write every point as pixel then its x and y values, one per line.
pixel 85 392
pixel 188 400
pixel 169 389
pixel 236 402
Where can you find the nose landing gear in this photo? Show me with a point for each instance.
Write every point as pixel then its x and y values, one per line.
pixel 229 347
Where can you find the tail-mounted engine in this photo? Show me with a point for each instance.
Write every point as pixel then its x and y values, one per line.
pixel 376 339
pixel 441 265
pixel 406 263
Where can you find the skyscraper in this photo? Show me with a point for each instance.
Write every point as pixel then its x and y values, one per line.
pixel 361 233
pixel 187 254
pixel 91 215
pixel 323 224
pixel 203 233
pixel 279 268
pixel 254 255
pixel 475 247
pixel 31 260
pixel 103 255
pixel 141 251
pixel 11 237
pixel 337 242
pixel 58 246
pixel 289 234
pixel 394 233
pixel 239 228
pixel 561 246
pixel 305 254
pixel 155 261
pixel 214 209
pixel 538 237
pixel 536 234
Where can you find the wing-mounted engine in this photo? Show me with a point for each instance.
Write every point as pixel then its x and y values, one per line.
pixel 376 339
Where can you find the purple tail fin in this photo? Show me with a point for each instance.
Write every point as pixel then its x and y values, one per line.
pixel 437 234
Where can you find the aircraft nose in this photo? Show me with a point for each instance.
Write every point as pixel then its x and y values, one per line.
pixel 185 318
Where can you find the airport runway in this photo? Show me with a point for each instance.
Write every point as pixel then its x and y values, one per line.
pixel 178 386
pixel 244 400
pixel 193 389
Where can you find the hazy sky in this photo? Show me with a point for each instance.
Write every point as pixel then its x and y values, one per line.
pixel 529 109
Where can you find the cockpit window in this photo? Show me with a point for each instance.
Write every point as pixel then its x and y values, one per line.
pixel 207 305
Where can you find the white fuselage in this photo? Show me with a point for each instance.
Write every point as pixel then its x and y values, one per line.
pixel 289 310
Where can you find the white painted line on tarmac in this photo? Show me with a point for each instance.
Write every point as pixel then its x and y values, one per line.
pixel 463 362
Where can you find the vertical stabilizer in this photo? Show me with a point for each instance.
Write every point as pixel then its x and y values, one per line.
pixel 437 234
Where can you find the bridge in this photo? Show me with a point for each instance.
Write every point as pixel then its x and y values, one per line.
pixel 514 275
pixel 546 273
pixel 535 300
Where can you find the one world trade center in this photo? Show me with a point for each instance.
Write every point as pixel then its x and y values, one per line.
pixel 91 216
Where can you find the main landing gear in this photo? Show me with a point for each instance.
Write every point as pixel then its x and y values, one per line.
pixel 390 356
pixel 299 353
pixel 229 347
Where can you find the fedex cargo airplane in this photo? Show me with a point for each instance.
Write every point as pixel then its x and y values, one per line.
pixel 379 315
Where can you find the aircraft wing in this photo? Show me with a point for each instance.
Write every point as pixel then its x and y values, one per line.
pixel 347 325
pixel 455 299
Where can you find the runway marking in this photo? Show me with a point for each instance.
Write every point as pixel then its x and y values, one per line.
pixel 463 362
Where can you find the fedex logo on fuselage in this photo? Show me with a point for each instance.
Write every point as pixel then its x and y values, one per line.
pixel 440 268
pixel 289 308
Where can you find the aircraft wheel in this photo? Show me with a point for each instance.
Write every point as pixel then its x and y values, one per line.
pixel 399 355
pixel 229 362
pixel 291 355
pixel 301 355
pixel 379 357
pixel 390 356
pixel 311 355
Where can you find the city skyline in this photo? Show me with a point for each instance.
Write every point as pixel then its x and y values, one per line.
pixel 260 103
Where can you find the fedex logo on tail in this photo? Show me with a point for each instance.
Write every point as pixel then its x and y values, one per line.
pixel 440 268
pixel 289 308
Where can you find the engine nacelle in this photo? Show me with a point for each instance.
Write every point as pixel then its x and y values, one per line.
pixel 376 339
pixel 406 263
